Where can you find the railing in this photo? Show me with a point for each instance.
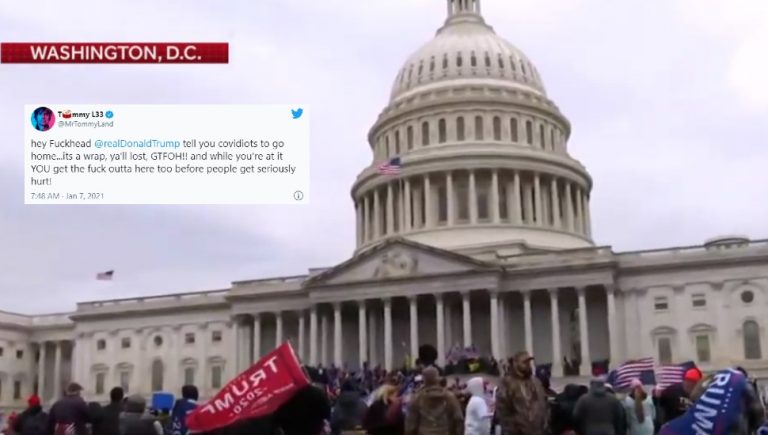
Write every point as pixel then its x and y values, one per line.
pixel 15 318
pixel 52 319
pixel 693 250
pixel 278 280
pixel 159 299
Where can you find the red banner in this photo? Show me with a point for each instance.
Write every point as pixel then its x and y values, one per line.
pixel 257 392
pixel 114 52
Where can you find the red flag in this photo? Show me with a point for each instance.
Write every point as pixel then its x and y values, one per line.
pixel 256 392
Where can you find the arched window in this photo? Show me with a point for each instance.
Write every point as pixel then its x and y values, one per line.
pixel 397 142
pixel 424 133
pixel 496 128
pixel 473 59
pixel 751 333
pixel 441 133
pixel 409 137
pixel 479 128
pixel 445 61
pixel 513 130
pixel 458 59
pixel 432 64
pixel 487 60
pixel 529 132
pixel 460 129
pixel 157 375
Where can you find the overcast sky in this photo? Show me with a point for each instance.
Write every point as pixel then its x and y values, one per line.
pixel 668 101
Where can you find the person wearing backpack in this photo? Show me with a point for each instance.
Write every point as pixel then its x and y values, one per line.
pixel 434 410
pixel 32 421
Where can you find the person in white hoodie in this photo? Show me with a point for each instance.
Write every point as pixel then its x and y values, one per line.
pixel 478 415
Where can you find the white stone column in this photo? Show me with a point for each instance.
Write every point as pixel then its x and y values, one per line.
pixel 376 215
pixel 517 215
pixel 302 344
pixel 557 357
pixel 324 340
pixel 440 320
pixel 237 349
pixel 366 218
pixel 569 218
pixel 57 371
pixel 537 198
pixel 41 373
pixel 587 219
pixel 388 334
pixel 256 338
pixel 495 348
pixel 503 325
pixel 390 209
pixel 472 198
pixel 359 221
pixel 407 207
pixel 612 327
pixel 555 204
pixel 338 358
pixel 579 212
pixel 414 317
pixel 467 318
pixel 495 202
pixel 450 198
pixel 528 321
pixel 586 363
pixel 362 344
pixel 313 335
pixel 429 214
pixel 529 204
pixel 373 344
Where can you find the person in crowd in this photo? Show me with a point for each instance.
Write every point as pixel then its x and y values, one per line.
pixel 639 409
pixel 135 420
pixel 433 410
pixel 676 398
pixel 183 406
pixel 385 415
pixel 477 420
pixel 561 420
pixel 599 412
pixel 306 413
pixel 350 409
pixel 9 424
pixel 69 415
pixel 521 404
pixel 94 417
pixel 33 420
pixel 110 414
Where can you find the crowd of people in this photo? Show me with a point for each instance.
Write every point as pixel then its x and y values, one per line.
pixel 425 400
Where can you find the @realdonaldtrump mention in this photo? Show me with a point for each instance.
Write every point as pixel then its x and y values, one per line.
pixel 166 154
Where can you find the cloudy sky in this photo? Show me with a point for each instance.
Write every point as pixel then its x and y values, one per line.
pixel 668 99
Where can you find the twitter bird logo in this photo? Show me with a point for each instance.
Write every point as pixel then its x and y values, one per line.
pixel 297 113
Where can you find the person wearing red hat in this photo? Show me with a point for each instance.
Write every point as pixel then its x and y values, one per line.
pixel 676 399
pixel 32 421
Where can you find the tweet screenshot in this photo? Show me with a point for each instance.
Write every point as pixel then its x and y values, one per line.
pixel 384 217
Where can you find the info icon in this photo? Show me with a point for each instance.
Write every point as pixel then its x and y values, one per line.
pixel 43 119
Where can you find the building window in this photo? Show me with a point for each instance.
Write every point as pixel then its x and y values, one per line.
pixel 460 128
pixel 216 373
pixel 552 139
pixel 542 137
pixel 503 201
pixel 473 59
pixel 125 343
pixel 479 128
pixel 747 297
pixel 2 351
pixel 387 151
pixel 16 390
pixel 482 205
pixel 158 340
pixel 529 132
pixel 409 137
pixel 157 375
pixel 125 380
pixel 189 338
pixel 699 300
pixel 441 133
pixel 702 348
pixel 513 135
pixel 751 332
pixel 19 354
pixel 397 142
pixel 665 350
pixel 660 303
pixel 442 204
pixel 100 377
pixel 216 336
pixel 425 133
pixel 496 128
pixel 189 376
pixel 101 344
pixel 462 196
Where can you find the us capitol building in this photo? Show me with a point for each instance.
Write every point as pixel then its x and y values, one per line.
pixel 483 238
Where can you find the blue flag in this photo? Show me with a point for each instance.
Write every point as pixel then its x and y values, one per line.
pixel 716 411
pixel 178 424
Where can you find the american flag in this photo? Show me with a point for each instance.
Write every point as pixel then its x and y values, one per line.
pixel 622 377
pixel 105 276
pixel 390 167
pixel 667 375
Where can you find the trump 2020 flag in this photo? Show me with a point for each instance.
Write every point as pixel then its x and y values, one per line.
pixel 256 392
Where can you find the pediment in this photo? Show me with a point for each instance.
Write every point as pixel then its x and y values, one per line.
pixel 398 259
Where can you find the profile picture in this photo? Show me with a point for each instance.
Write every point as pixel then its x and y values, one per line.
pixel 43 119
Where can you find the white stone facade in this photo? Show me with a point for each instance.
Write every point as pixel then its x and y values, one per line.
pixel 484 238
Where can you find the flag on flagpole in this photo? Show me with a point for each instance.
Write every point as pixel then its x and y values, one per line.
pixel 671 374
pixel 390 167
pixel 642 369
pixel 105 276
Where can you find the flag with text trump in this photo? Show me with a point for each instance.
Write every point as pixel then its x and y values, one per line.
pixel 257 392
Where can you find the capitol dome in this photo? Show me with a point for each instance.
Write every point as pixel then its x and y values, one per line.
pixel 470 154
pixel 466 48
